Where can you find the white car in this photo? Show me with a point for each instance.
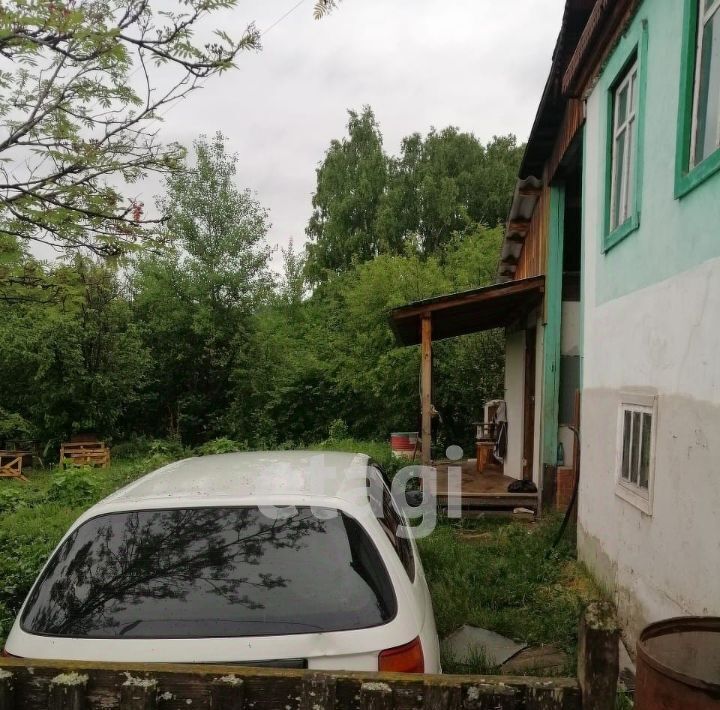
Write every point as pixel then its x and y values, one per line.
pixel 271 559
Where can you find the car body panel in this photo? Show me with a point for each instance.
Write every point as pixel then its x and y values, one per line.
pixel 265 479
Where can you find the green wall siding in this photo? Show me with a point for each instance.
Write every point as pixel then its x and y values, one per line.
pixel 674 234
pixel 553 305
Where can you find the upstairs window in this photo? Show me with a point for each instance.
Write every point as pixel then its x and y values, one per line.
pixel 624 147
pixel 706 104
pixel 698 134
pixel 626 77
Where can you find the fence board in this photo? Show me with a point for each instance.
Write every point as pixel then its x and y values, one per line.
pixel 201 687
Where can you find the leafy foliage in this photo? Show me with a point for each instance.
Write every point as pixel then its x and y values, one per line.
pixel 441 186
pixel 350 184
pixel 79 100
pixel 76 364
pixel 333 355
pixel 197 342
pixel 195 301
pixel 74 486
pixel 222 445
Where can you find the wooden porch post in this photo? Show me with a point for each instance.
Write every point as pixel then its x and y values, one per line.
pixel 426 389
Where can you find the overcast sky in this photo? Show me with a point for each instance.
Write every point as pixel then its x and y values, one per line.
pixel 477 64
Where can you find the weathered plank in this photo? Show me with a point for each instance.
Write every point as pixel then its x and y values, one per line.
pixel 7 691
pixel 319 692
pixel 227 693
pixel 67 691
pixel 488 695
pixel 201 687
pixel 442 696
pixel 138 693
pixel 598 656
pixel 376 695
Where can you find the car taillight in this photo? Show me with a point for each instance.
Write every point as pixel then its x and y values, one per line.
pixel 403 659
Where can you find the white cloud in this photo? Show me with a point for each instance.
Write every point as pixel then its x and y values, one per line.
pixel 477 64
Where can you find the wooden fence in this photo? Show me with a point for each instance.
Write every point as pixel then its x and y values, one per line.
pixel 68 685
pixel 87 686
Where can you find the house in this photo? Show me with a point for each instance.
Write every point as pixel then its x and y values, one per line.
pixel 634 201
pixel 537 297
pixel 617 216
pixel 649 514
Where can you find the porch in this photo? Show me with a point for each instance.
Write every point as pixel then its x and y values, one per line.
pixel 484 488
pixel 485 492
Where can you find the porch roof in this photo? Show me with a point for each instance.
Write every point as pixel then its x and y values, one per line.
pixel 466 312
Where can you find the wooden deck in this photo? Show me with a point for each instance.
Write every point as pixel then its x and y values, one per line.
pixel 485 491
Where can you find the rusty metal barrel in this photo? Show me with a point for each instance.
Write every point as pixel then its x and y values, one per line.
pixel 678 665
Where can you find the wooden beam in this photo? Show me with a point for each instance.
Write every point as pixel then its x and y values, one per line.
pixel 31 683
pixel 478 296
pixel 426 388
pixel 518 226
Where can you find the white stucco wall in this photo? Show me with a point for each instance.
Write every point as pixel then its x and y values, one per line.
pixel 665 339
pixel 570 328
pixel 651 322
pixel 514 395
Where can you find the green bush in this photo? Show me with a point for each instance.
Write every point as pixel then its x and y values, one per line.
pixel 221 446
pixel 338 430
pixel 74 487
pixel 10 499
pixel 135 447
pixel 378 451
pixel 170 449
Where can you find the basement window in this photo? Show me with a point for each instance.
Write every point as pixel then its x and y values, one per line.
pixel 636 450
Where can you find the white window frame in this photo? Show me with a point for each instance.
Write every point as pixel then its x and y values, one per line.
pixel 631 82
pixel 633 493
pixel 704 16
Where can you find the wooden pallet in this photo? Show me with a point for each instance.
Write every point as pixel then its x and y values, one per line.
pixel 11 464
pixel 84 453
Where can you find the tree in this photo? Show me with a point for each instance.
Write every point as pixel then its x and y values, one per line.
pixel 76 363
pixel 441 185
pixel 196 299
pixel 79 99
pixel 445 184
pixel 350 185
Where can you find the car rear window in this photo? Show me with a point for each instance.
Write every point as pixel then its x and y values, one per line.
pixel 211 572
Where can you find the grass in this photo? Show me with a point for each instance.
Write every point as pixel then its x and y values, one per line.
pixel 504 576
pixel 378 451
pixel 490 573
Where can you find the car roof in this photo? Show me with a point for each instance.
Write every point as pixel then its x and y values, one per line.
pixel 239 477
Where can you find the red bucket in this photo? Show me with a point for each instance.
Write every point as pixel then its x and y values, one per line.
pixel 403 443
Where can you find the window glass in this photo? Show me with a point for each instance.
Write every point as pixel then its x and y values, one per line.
pixel 211 572
pixel 645 450
pixel 627 426
pixel 636 442
pixel 390 521
pixel 635 447
pixel 706 136
pixel 623 147
pixel 618 208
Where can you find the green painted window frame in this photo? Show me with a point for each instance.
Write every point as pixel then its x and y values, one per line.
pixel 632 48
pixel 687 178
